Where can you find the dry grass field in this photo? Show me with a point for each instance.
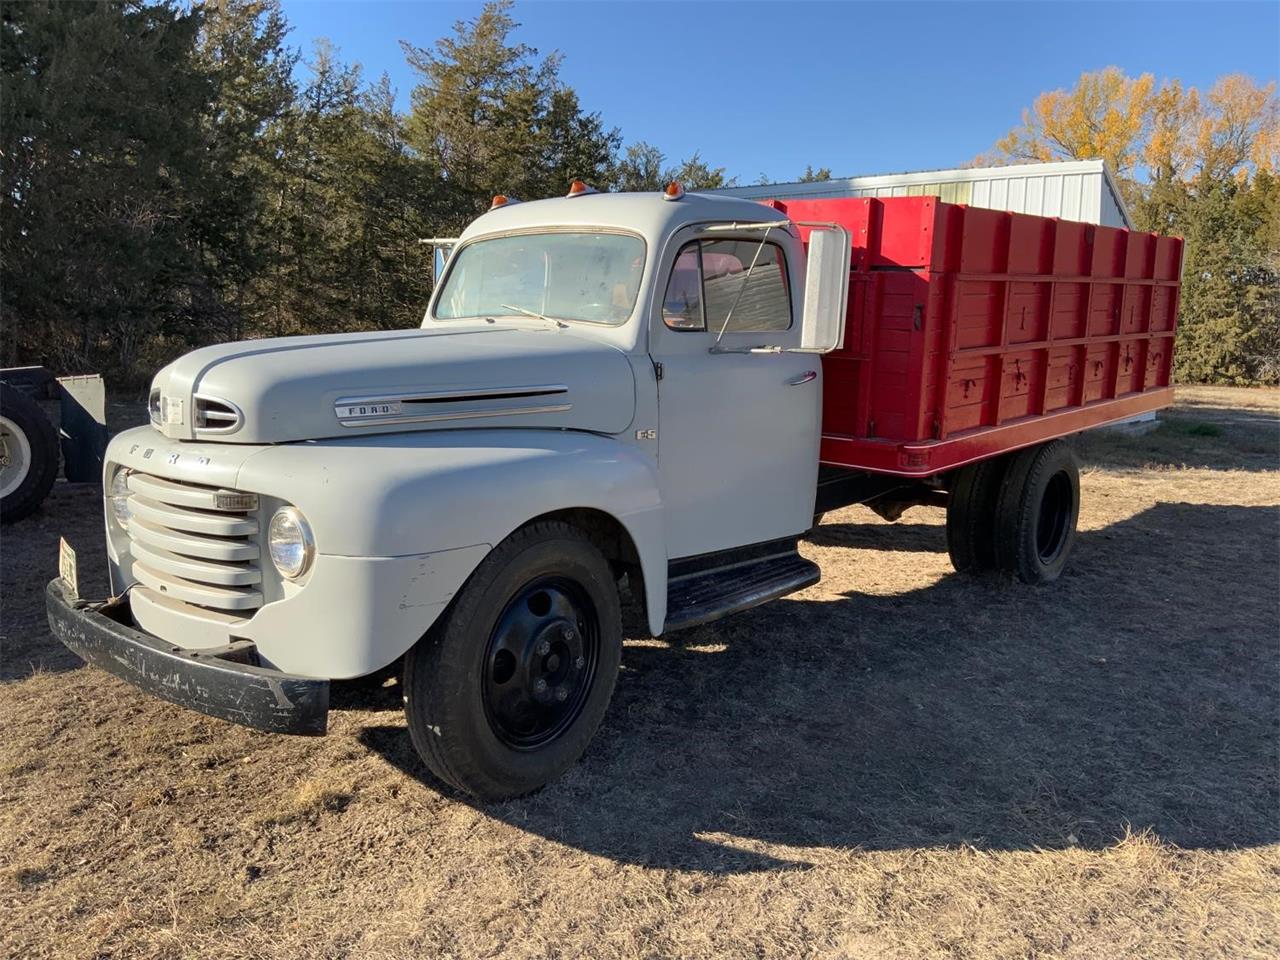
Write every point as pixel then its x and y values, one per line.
pixel 897 762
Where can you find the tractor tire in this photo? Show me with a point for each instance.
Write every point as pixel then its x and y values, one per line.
pixel 28 455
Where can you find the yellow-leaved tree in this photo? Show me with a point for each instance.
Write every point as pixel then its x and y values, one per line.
pixel 1197 164
pixel 1102 117
pixel 1148 131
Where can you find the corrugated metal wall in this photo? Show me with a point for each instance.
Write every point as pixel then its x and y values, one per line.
pixel 1076 190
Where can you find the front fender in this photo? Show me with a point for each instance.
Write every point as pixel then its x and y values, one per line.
pixel 405 494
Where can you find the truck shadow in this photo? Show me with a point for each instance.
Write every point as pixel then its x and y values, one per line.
pixel 1138 692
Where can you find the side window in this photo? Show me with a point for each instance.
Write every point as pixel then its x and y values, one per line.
pixel 708 278
pixel 682 306
pixel 764 305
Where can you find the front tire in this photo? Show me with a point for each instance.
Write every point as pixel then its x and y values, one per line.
pixel 504 693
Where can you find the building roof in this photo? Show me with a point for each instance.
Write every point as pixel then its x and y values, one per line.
pixel 846 186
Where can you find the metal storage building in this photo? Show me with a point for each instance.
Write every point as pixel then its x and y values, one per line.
pixel 1081 190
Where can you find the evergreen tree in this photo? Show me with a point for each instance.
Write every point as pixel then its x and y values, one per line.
pixel 353 201
pixel 1229 323
pixel 241 49
pixel 696 174
pixel 494 118
pixel 641 168
pixel 103 155
pixel 811 175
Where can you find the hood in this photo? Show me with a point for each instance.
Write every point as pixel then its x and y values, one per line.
pixel 310 388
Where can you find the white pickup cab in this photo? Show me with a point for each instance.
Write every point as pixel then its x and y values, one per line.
pixel 612 399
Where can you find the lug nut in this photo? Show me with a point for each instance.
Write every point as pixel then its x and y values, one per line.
pixel 562 693
pixel 544 648
pixel 580 662
pixel 540 685
pixel 568 633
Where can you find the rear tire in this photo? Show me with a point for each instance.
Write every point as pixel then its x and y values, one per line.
pixel 1037 511
pixel 506 690
pixel 971 516
pixel 28 455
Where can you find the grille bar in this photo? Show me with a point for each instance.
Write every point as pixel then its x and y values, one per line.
pixel 202 571
pixel 203 595
pixel 191 545
pixel 193 521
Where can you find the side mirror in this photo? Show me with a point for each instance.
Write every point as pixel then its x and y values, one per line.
pixel 826 290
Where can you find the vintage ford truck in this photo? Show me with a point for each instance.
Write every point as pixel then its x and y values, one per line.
pixel 611 396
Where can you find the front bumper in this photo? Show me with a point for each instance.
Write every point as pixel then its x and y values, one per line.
pixel 226 683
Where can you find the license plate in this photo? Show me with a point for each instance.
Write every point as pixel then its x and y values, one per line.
pixel 67 566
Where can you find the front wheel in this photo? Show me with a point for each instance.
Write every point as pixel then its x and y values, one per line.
pixel 504 693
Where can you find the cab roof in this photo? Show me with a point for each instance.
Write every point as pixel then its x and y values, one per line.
pixel 648 214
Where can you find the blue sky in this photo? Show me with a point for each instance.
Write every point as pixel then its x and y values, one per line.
pixel 768 87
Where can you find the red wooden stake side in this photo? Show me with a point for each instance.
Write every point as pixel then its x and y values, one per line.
pixel 972 332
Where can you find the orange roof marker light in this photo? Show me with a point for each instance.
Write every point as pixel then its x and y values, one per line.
pixel 674 191
pixel 579 189
pixel 502 200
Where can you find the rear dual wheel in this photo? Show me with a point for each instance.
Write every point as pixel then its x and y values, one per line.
pixel 507 689
pixel 1016 513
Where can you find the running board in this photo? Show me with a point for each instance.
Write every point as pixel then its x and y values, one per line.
pixel 698 592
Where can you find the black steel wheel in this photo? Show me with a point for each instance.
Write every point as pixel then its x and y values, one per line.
pixel 1036 512
pixel 506 690
pixel 540 662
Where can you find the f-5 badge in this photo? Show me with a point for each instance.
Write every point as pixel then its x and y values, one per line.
pixel 646 434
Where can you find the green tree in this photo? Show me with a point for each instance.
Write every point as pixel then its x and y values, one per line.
pixel 495 118
pixel 642 167
pixel 696 174
pixel 102 153
pixel 1229 322
pixel 811 175
pixel 241 48
pixel 353 200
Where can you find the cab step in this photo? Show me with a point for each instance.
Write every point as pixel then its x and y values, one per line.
pixel 705 588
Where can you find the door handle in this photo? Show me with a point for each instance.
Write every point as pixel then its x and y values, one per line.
pixel 806 377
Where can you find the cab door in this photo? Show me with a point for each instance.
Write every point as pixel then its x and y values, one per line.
pixel 738 431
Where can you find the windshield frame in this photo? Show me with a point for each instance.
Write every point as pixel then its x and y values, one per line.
pixel 542 230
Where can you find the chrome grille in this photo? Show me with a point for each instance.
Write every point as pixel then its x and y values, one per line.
pixel 195 543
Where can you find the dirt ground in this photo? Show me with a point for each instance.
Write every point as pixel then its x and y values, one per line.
pixel 897 762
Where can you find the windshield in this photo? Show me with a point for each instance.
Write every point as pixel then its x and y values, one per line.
pixel 593 277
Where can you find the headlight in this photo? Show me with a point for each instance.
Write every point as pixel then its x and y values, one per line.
pixel 290 543
pixel 118 497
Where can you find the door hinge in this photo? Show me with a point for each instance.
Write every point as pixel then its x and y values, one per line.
pixel 657 369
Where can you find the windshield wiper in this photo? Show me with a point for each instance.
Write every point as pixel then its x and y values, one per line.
pixel 534 314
